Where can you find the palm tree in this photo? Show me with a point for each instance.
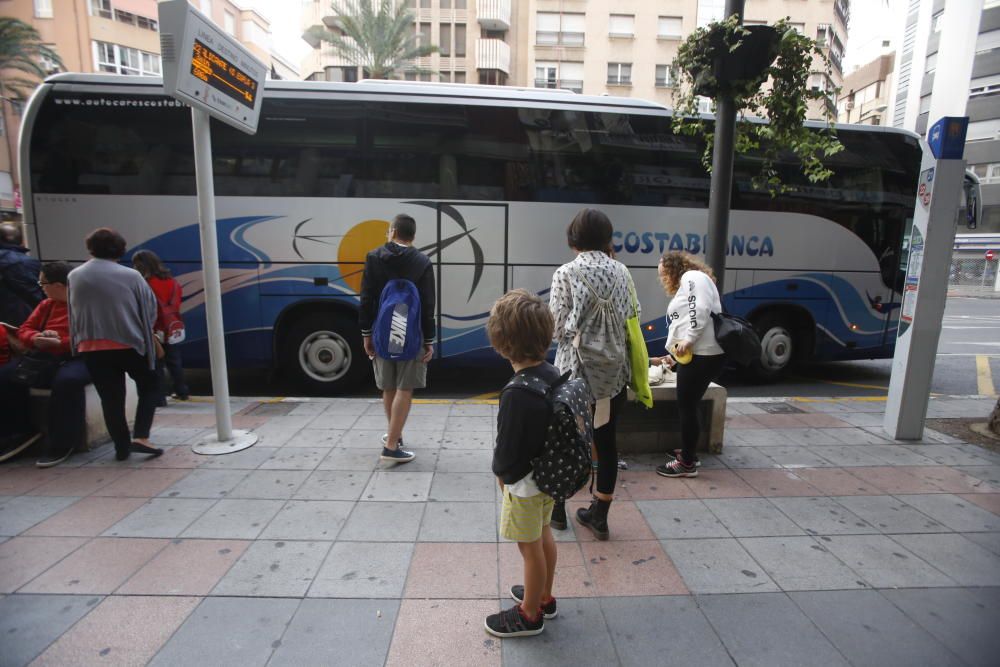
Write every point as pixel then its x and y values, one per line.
pixel 21 56
pixel 994 422
pixel 376 35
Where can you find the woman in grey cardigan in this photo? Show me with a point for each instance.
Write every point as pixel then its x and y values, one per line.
pixel 112 311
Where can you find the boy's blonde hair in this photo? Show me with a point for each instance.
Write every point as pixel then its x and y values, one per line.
pixel 520 326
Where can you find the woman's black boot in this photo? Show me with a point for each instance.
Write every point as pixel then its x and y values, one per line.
pixel 595 517
pixel 558 516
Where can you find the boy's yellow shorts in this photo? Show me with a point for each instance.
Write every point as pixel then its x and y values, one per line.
pixel 522 519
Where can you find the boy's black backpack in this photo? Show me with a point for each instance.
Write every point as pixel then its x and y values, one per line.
pixel 737 338
pixel 564 465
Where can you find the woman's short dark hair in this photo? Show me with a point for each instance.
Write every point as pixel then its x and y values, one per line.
pixel 106 243
pixel 149 264
pixel 590 230
pixel 56 272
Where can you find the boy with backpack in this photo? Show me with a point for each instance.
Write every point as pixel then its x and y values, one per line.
pixel 542 453
pixel 397 326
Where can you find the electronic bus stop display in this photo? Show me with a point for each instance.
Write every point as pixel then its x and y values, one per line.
pixel 207 68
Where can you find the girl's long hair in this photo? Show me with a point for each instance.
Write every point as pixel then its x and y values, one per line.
pixel 675 263
pixel 149 265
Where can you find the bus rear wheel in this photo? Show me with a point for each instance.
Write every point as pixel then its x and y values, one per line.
pixel 322 353
pixel 777 344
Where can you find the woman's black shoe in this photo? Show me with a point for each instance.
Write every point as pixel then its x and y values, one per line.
pixel 140 448
pixel 558 516
pixel 595 517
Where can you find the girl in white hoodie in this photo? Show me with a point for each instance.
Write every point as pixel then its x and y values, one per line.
pixel 694 297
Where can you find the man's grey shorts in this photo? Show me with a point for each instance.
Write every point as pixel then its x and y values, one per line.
pixel 391 375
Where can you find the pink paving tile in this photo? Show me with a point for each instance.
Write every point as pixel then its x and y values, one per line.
pixel 454 570
pixel 87 517
pixel 717 484
pixel 79 482
pixel 186 420
pixel 24 558
pixel 142 483
pixel 99 567
pixel 820 420
pixel 185 567
pixel 988 501
pixel 15 481
pixel 773 483
pixel 951 480
pixel 246 421
pixel 742 421
pixel 779 421
pixel 572 577
pixel 458 637
pixel 632 568
pixel 837 482
pixel 179 457
pixel 121 631
pixel 895 479
pixel 647 485
pixel 625 522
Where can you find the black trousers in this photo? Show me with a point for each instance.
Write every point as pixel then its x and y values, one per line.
pixel 66 408
pixel 692 380
pixel 108 369
pixel 607 449
pixel 171 372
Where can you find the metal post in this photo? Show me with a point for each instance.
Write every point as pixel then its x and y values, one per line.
pixel 721 189
pixel 226 439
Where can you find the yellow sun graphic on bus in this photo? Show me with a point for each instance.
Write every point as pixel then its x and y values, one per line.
pixel 361 239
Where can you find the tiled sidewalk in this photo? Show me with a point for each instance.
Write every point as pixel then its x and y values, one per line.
pixel 811 540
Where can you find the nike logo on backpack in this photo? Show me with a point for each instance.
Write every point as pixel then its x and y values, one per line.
pixel 397 329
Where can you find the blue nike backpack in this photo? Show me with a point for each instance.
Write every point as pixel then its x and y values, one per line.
pixel 397 335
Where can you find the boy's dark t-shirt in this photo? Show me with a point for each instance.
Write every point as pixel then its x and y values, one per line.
pixel 522 424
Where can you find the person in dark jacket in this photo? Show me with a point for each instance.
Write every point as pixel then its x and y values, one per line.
pixel 398 259
pixel 19 290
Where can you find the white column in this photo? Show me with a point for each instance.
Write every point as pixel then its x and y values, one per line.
pixel 956 52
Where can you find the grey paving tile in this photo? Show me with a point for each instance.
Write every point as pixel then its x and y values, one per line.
pixel 949 455
pixel 337 632
pixel 809 436
pixel 862 418
pixel 637 630
pixel 954 512
pixel 857 436
pixel 746 457
pixel 173 435
pixel 19 513
pixel 768 630
pixel 247 459
pixel 848 456
pixel 759 437
pixel 891 515
pixel 799 457
pixel 368 439
pixel 899 455
pixel 228 632
pixel 350 406
pixel 717 566
pixel 673 519
pixel 426 461
pixel 383 522
pixel 363 570
pixel 161 517
pixel 469 440
pixel 205 484
pixel 961 619
pixel 987 473
pixel 801 564
pixel 273 484
pixel 457 424
pixel 308 520
pixel 333 485
pixel 319 438
pixel 990 541
pixel 870 630
pixel 472 410
pixel 580 637
pixel 469 486
pixel 882 562
pixel 459 522
pixel 309 408
pixel 274 569
pixel 29 623
pixel 963 560
pixel 464 460
pixel 334 421
pixel 398 486
pixel 359 460
pixel 295 458
pixel 823 516
pixel 235 519
pixel 752 517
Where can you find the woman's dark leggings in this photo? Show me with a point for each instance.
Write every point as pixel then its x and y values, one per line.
pixel 692 380
pixel 108 369
pixel 607 450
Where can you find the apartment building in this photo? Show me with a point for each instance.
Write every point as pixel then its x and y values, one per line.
pixel 865 93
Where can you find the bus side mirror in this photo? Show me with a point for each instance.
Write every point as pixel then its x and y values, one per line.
pixel 972 196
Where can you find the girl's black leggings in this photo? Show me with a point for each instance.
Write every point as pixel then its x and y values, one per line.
pixel 693 379
pixel 607 450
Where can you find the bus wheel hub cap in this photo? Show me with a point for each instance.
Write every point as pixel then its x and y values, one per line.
pixel 325 356
pixel 777 348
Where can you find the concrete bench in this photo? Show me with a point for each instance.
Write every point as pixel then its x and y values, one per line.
pixel 657 430
pixel 97 431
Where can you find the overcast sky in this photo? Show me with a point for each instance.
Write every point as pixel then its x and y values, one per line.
pixel 286 26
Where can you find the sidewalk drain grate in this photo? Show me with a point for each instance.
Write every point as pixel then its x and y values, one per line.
pixel 778 408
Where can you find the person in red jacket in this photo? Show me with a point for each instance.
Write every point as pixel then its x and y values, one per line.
pixel 168 305
pixel 46 332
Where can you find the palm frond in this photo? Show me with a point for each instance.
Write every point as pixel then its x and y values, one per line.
pixel 21 53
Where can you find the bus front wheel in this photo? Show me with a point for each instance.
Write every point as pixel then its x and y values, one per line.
pixel 777 347
pixel 322 353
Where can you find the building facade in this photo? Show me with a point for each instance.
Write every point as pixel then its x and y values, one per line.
pixel 865 93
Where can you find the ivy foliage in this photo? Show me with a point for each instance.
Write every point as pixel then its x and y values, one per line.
pixel 784 103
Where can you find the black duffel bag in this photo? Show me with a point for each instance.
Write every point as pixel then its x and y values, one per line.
pixel 37 369
pixel 737 338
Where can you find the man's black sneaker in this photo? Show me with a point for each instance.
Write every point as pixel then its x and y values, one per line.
pixel 385 441
pixel 398 455
pixel 677 453
pixel 13 445
pixel 53 459
pixel 512 623
pixel 676 469
pixel 548 610
pixel 558 520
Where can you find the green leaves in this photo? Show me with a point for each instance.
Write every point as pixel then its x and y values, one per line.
pixel 21 53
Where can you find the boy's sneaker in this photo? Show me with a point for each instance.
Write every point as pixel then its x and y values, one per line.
pixel 54 459
pixel 385 441
pixel 512 623
pixel 558 520
pixel 398 455
pixel 677 453
pixel 548 610
pixel 676 469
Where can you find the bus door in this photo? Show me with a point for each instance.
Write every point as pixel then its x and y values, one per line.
pixel 470 259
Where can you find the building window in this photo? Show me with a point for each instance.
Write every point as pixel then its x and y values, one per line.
pixel 936 21
pixel 424 33
pixel 425 76
pixel 930 63
pixel 669 27
pixel 444 43
pixel 460 76
pixel 206 8
pixel 425 4
pixel 620 74
pixel 710 10
pixel 43 9
pixel 255 34
pixel 409 76
pixel 101 8
pixel 460 40
pixel 705 105
pixel 116 59
pixel 666 76
pixel 229 22
pixel 555 29
pixel 49 65
pixel 546 75
pixel 798 27
pixel 621 25
pixel 445 4
pixel 460 4
pixel 148 24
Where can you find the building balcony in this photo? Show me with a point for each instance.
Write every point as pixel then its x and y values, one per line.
pixel 552 38
pixel 564 84
pixel 493 14
pixel 493 54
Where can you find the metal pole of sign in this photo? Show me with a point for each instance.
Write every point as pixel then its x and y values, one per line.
pixel 226 440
